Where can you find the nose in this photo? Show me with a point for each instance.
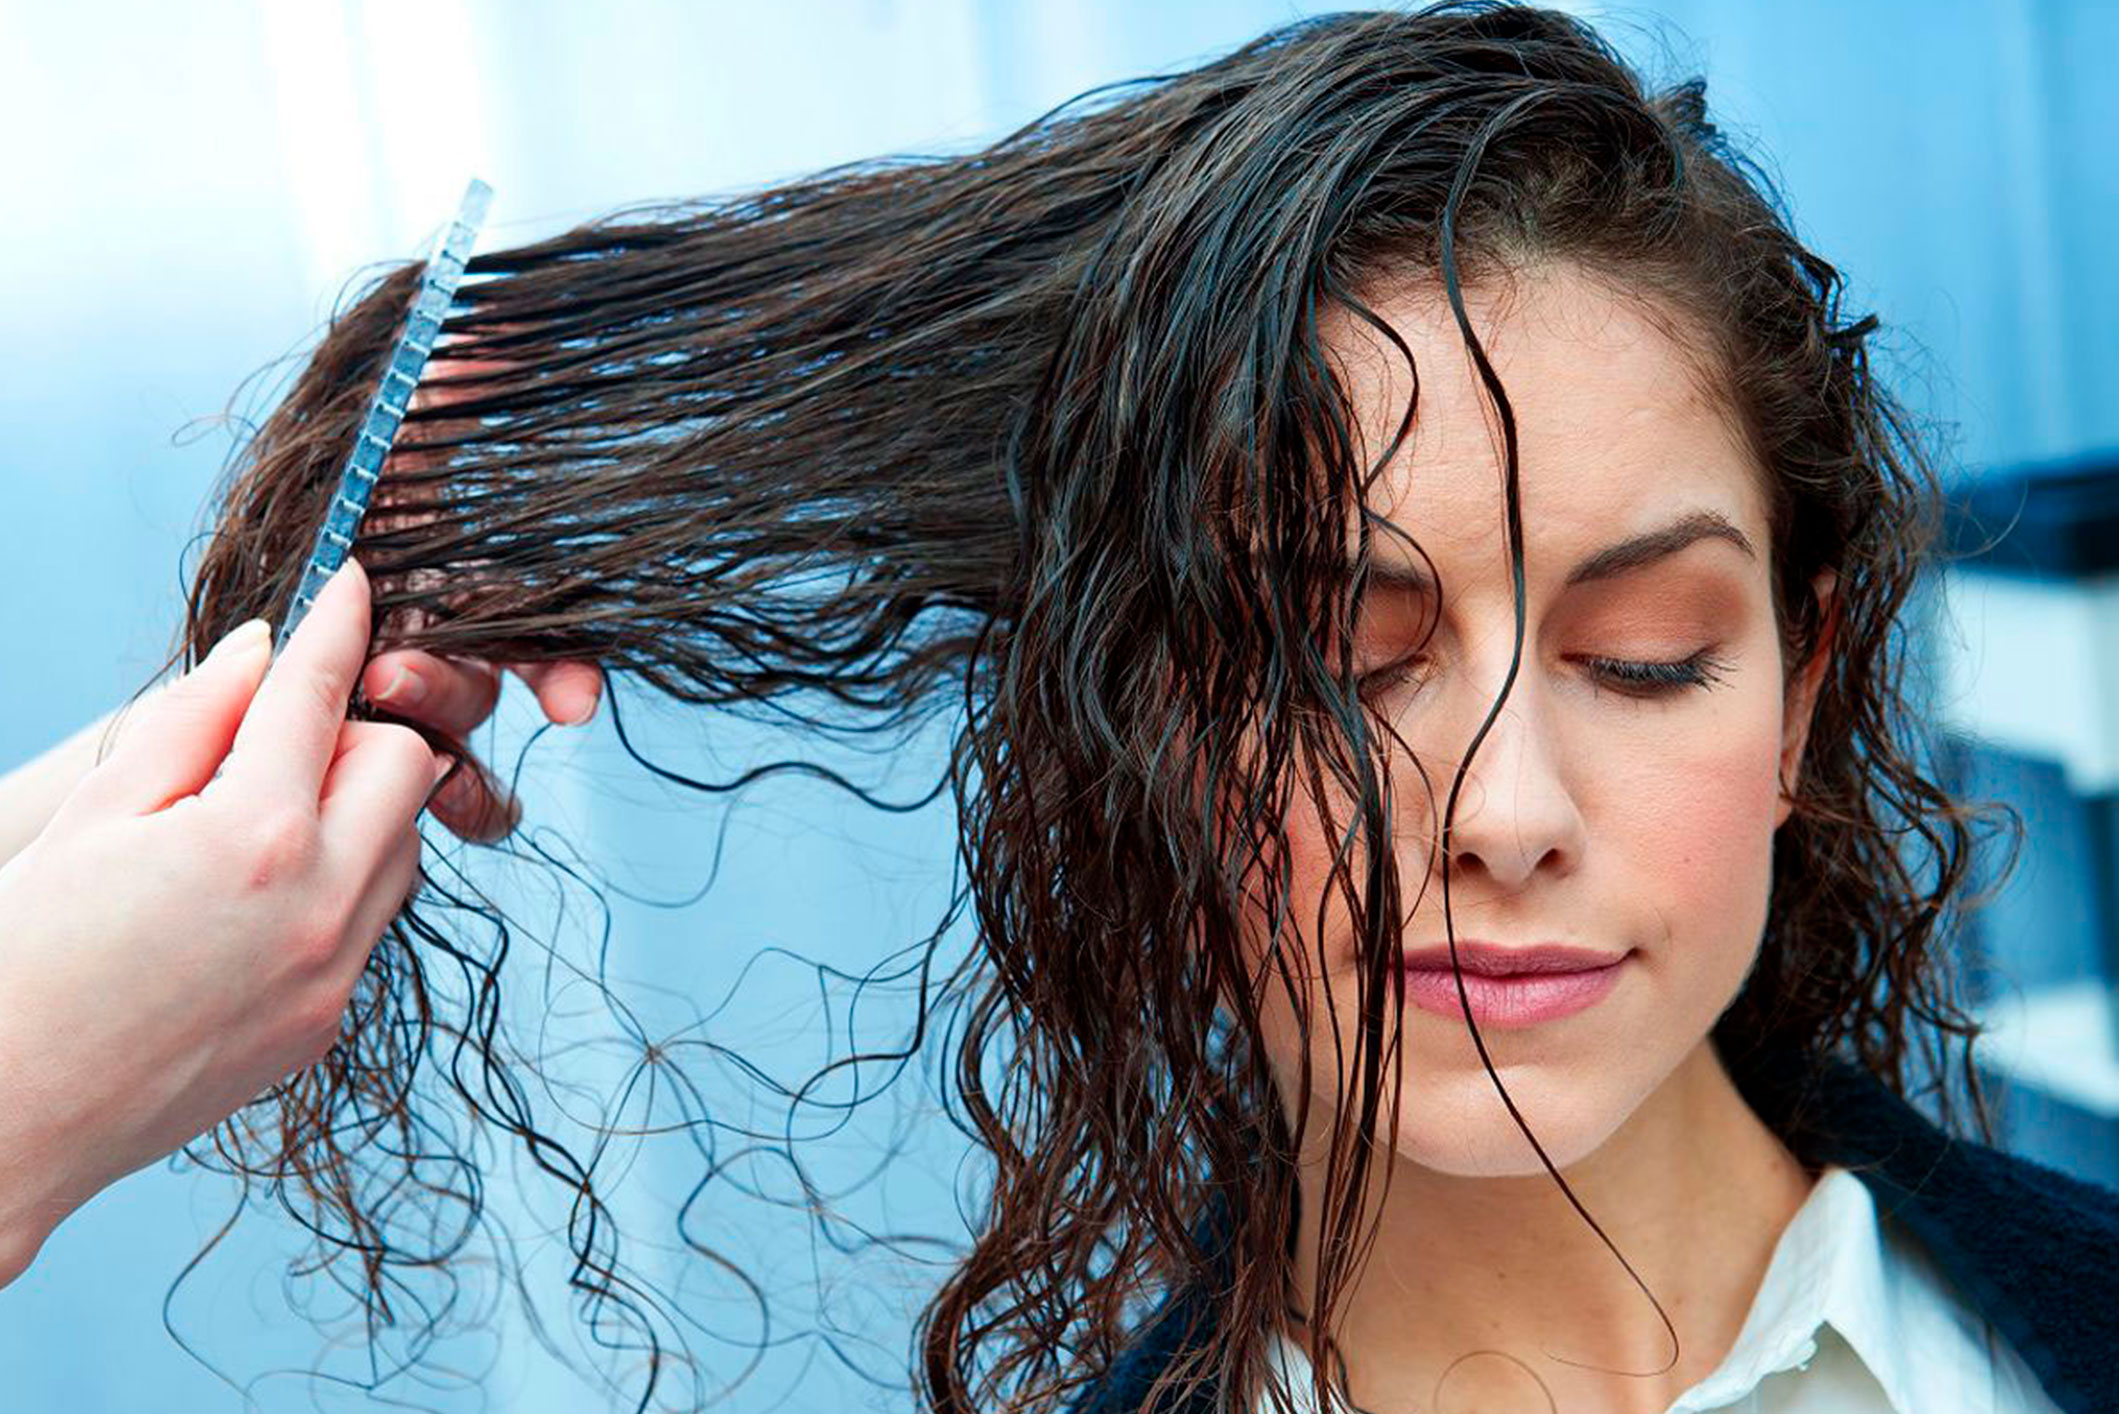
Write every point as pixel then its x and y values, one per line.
pixel 1516 814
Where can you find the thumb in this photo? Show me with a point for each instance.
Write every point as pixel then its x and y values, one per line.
pixel 173 749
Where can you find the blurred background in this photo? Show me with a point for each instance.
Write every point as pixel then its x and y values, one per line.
pixel 194 187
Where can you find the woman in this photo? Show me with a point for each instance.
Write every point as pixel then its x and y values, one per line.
pixel 1419 554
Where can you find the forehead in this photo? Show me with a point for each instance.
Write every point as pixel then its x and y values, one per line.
pixel 1618 418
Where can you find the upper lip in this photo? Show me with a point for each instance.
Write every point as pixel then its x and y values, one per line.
pixel 1480 959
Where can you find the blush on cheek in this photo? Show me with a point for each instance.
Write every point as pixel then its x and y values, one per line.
pixel 1702 831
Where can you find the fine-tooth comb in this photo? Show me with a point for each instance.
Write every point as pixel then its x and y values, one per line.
pixel 356 485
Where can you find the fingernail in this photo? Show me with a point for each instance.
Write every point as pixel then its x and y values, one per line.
pixel 242 641
pixel 405 689
pixel 335 576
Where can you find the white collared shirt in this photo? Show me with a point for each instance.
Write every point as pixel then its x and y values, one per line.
pixel 1853 1317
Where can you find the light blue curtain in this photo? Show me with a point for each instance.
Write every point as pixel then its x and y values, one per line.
pixel 192 186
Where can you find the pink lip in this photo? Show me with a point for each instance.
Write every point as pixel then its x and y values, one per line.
pixel 1510 986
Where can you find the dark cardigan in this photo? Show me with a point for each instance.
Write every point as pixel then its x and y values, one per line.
pixel 2036 1252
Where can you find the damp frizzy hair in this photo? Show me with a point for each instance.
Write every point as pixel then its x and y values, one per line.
pixel 1043 439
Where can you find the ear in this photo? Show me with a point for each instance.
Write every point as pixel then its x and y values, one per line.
pixel 1801 700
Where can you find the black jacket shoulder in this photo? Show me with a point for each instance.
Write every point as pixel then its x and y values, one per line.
pixel 2032 1249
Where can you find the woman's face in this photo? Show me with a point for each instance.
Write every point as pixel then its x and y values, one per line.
pixel 1624 810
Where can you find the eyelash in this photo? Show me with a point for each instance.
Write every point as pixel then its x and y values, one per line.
pixel 1653 679
pixel 1628 676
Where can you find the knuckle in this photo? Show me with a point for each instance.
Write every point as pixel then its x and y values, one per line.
pixel 409 750
pixel 314 943
pixel 329 702
pixel 392 749
pixel 186 703
pixel 276 845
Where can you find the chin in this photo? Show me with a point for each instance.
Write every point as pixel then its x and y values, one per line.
pixel 1457 1125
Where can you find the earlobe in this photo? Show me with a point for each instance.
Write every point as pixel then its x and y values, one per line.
pixel 1800 701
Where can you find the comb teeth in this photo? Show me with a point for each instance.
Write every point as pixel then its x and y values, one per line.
pixel 437 288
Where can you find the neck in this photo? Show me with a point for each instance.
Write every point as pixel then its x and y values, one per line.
pixel 1498 1282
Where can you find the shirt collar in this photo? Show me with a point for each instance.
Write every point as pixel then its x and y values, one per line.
pixel 1836 1265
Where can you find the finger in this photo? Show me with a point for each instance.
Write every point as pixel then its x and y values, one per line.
pixel 180 737
pixel 353 735
pixel 451 695
pixel 475 805
pixel 373 794
pixel 287 739
pixel 455 696
pixel 387 893
pixel 568 692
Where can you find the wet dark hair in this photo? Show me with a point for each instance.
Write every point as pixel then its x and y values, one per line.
pixel 1046 435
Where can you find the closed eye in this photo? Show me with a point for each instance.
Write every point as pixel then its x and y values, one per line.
pixel 1632 676
pixel 1651 678
pixel 1382 680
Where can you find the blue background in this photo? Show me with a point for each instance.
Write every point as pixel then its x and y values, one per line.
pixel 192 187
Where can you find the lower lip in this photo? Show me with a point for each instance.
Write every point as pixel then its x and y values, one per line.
pixel 1521 1000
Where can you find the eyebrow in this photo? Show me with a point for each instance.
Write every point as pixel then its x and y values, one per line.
pixel 1629 554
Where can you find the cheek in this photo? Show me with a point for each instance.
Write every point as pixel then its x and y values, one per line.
pixel 1694 823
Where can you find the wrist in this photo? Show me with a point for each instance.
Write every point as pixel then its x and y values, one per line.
pixel 33 1182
